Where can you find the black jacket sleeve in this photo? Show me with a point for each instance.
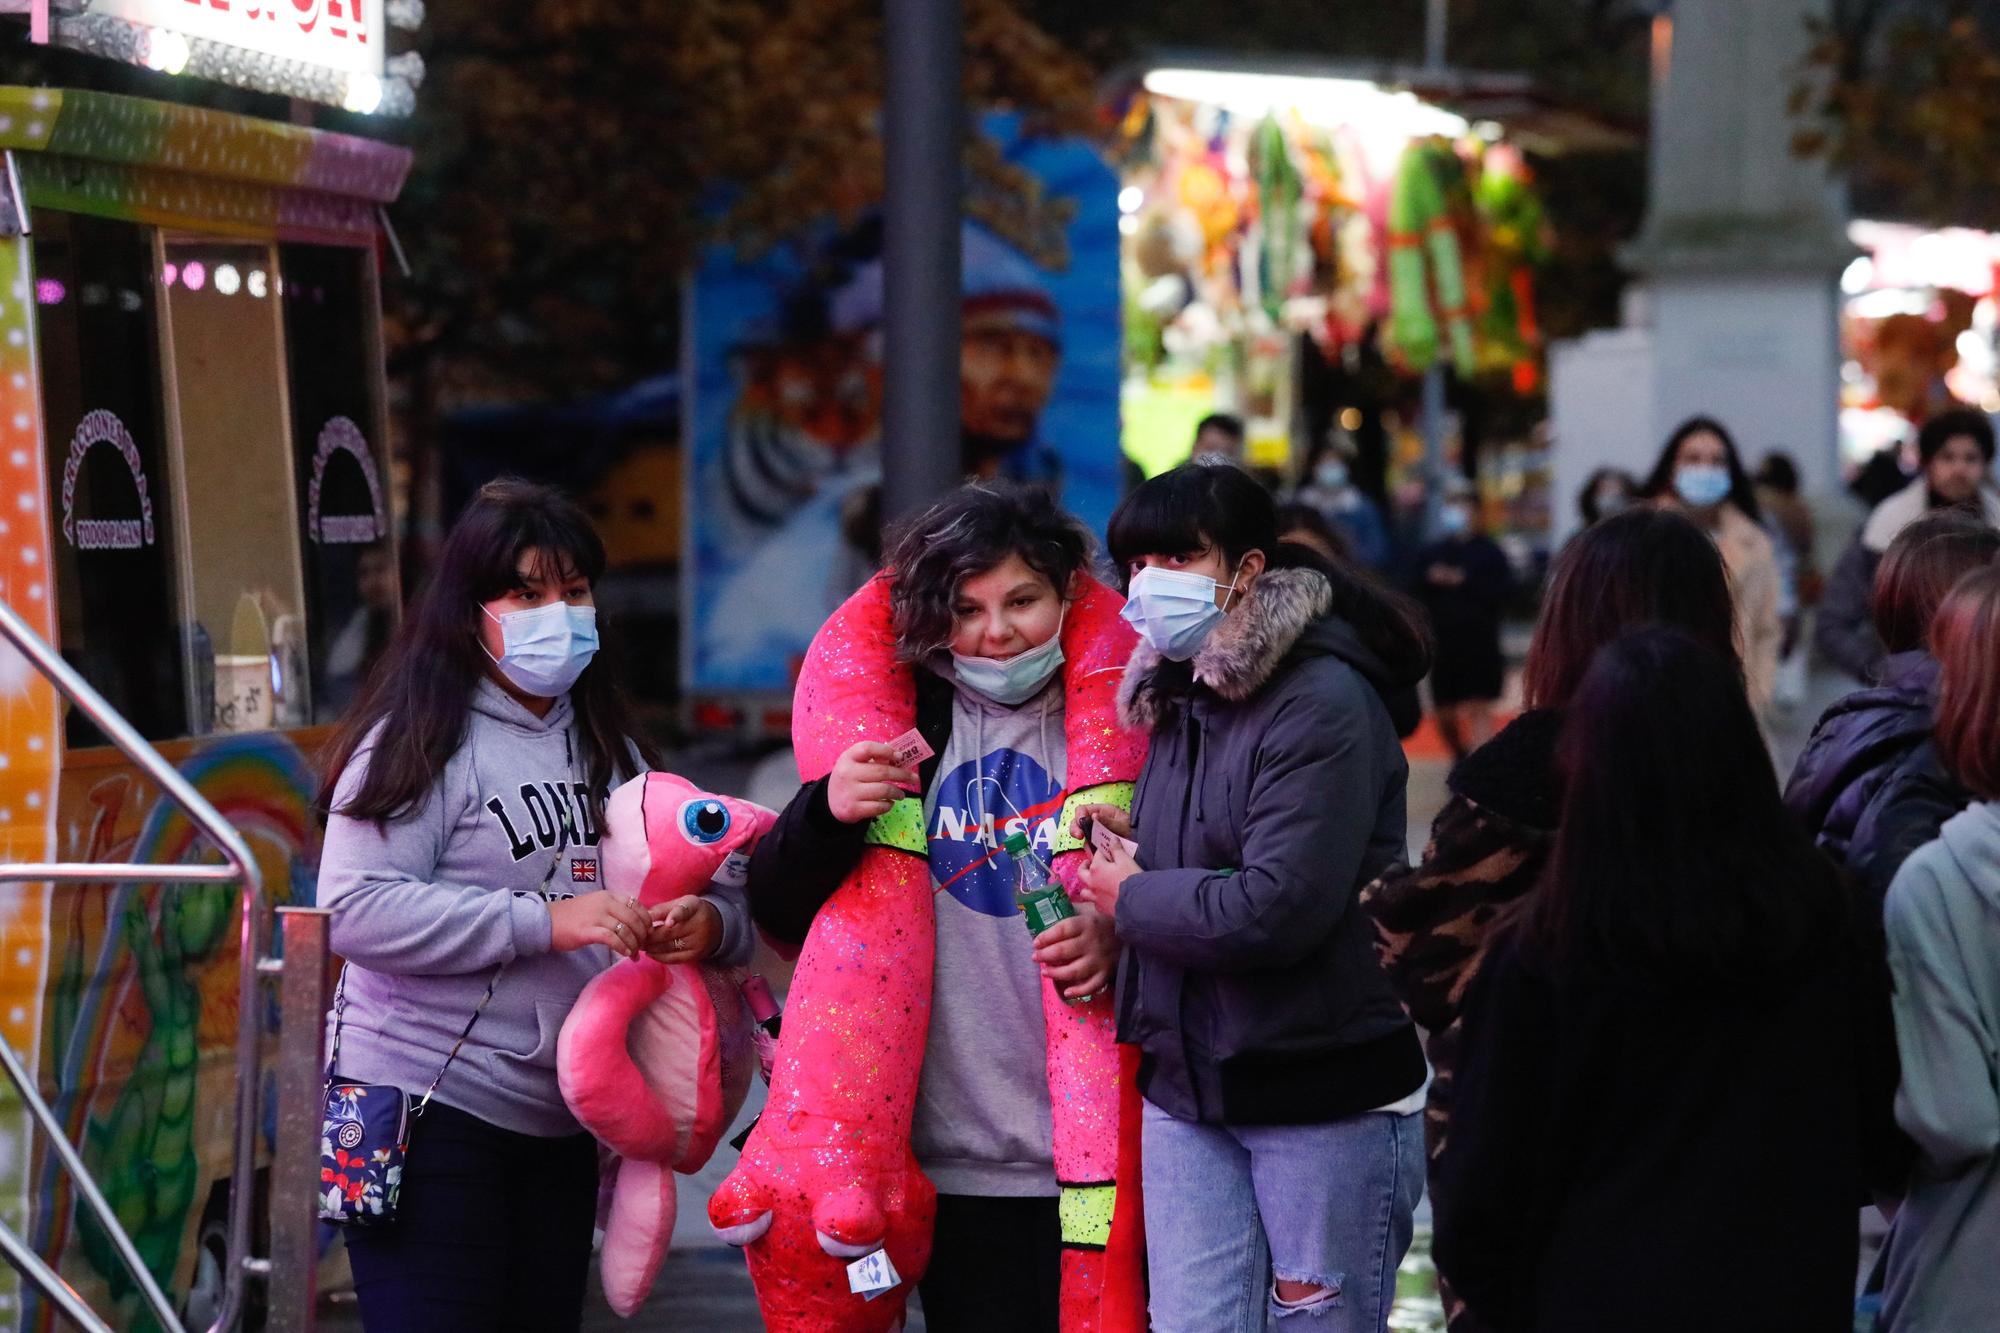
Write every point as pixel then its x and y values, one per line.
pixel 1908 811
pixel 1494 1174
pixel 799 863
pixel 1846 628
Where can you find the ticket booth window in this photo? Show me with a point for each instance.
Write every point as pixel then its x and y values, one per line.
pixel 227 382
pixel 339 464
pixel 112 495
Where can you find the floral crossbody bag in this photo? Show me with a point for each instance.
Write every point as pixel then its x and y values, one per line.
pixel 364 1135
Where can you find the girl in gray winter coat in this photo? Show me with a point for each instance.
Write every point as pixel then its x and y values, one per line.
pixel 1283 1080
pixel 1943 924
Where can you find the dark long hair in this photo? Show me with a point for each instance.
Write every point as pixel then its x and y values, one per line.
pixel 965 534
pixel 425 681
pixel 1742 493
pixel 1674 860
pixel 1641 567
pixel 1196 507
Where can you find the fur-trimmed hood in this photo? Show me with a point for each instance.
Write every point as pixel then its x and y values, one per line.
pixel 1286 612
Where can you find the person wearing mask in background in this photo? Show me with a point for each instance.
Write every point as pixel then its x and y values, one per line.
pixel 1790 520
pixel 1464 581
pixel 464 796
pixel 983 585
pixel 1942 918
pixel 1607 491
pixel 1662 1109
pixel 1491 841
pixel 1303 525
pixel 1866 742
pixel 1219 435
pixel 1331 490
pixel 1282 1149
pixel 1700 473
pixel 1955 450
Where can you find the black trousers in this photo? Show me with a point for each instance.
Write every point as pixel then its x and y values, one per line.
pixel 996 1266
pixel 492 1232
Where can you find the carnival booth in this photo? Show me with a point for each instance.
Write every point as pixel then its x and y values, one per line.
pixel 1303 250
pixel 195 509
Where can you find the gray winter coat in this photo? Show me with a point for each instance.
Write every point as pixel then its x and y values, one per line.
pixel 1273 789
pixel 1943 923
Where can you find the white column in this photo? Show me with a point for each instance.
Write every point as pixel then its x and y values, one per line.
pixel 1743 243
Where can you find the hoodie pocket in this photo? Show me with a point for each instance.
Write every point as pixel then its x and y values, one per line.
pixel 525 1045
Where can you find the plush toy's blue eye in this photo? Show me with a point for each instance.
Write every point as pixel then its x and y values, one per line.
pixel 704 821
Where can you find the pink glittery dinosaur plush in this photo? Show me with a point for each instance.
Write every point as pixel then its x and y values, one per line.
pixel 655 1060
pixel 828 1175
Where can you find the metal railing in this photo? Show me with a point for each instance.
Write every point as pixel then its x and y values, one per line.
pixel 239 868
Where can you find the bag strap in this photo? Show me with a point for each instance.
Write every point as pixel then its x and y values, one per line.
pixel 340 990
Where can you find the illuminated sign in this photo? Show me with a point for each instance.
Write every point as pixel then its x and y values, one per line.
pixel 344 35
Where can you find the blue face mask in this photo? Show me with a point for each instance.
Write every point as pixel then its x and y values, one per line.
pixel 1015 679
pixel 1173 610
pixel 1454 519
pixel 545 648
pixel 1332 474
pixel 1702 485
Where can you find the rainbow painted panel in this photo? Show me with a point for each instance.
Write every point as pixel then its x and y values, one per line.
pixel 136 132
pixel 209 204
pixel 30 735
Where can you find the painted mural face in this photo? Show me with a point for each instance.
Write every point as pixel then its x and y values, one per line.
pixel 1005 376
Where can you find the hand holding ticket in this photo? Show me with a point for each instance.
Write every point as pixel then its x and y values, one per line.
pixel 911 749
pixel 1104 840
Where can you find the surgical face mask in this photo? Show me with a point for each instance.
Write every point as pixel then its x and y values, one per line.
pixel 1611 502
pixel 1015 679
pixel 1702 484
pixel 1331 474
pixel 1173 610
pixel 1454 519
pixel 545 648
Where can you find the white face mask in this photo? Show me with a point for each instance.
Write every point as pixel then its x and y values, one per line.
pixel 1015 679
pixel 545 648
pixel 1173 609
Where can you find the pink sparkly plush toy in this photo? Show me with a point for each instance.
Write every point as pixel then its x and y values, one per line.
pixel 656 1060
pixel 828 1176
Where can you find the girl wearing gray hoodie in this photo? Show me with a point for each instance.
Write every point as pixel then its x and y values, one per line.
pixel 1943 922
pixel 465 797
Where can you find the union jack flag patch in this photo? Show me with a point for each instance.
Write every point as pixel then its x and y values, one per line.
pixel 583 871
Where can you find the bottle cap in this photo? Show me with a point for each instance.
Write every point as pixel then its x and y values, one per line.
pixel 1016 845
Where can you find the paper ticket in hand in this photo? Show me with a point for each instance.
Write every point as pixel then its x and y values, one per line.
pixel 1104 840
pixel 871 1275
pixel 911 749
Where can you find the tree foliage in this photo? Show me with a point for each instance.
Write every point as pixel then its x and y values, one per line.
pixel 573 154
pixel 1904 100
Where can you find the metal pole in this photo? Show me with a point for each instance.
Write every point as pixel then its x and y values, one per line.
pixel 177 789
pixel 301 1081
pixel 31 1097
pixel 923 119
pixel 63 1296
pixel 1434 34
pixel 113 872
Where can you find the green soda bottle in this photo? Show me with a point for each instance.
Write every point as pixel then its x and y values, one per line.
pixel 1041 900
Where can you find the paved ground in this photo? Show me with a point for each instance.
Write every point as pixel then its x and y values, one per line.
pixel 705 1288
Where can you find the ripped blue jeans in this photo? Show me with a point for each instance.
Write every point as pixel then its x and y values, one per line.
pixel 1230 1211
